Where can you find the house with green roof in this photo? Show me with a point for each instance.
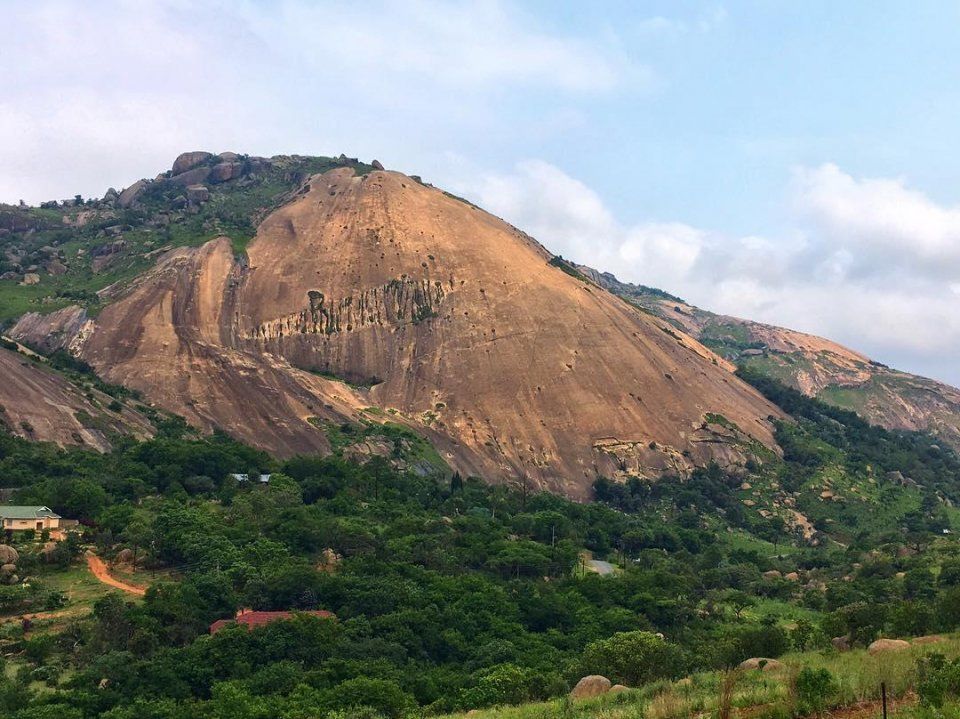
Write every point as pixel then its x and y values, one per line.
pixel 22 518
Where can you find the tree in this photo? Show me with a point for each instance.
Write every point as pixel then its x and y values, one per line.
pixel 633 658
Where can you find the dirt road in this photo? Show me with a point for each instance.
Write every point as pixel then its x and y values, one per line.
pixel 100 571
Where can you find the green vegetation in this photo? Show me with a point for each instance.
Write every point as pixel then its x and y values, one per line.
pixel 450 594
pixel 558 261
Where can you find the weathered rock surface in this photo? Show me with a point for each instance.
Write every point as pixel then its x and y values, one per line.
pixel 50 332
pixel 590 686
pixel 41 405
pixel 450 318
pixel 815 366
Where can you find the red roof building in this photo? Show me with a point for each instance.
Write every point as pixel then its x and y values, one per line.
pixel 251 619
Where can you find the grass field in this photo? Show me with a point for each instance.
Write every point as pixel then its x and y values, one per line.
pixel 758 695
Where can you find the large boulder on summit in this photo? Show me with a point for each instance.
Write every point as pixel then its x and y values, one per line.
pixel 888 645
pixel 188 160
pixel 590 686
pixel 8 555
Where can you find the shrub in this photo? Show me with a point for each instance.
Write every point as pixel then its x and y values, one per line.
pixel 814 687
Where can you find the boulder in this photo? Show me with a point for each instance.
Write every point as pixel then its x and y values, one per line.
pixel 225 171
pixel 132 193
pixel 792 576
pixel 376 165
pixel 590 686
pixel 197 193
pixel 8 555
pixel 888 645
pixel 31 278
pixel 841 644
pixel 772 574
pixel 7 569
pixel 761 663
pixel 55 267
pixel 196 176
pixel 188 160
pixel 228 156
pixel 125 556
pixel 617 688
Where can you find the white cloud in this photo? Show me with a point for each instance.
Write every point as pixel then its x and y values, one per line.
pixel 104 92
pixel 870 263
pixel 883 225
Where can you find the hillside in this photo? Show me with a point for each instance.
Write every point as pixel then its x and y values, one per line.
pixel 286 296
pixel 817 367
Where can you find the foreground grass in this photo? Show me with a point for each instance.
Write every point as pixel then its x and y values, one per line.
pixel 758 695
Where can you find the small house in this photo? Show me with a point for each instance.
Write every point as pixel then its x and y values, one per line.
pixel 17 518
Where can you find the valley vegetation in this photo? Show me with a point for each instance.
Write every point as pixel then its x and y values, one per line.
pixel 451 594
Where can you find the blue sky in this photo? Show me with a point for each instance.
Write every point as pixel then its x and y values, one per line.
pixel 793 162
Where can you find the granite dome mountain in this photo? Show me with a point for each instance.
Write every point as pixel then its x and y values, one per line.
pixel 279 298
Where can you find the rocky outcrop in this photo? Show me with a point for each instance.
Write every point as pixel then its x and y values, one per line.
pixel 455 323
pixel 590 686
pixel 50 332
pixel 38 404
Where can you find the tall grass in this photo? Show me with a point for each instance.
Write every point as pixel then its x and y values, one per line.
pixel 754 694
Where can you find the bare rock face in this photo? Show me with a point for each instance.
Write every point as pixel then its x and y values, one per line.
pixel 460 325
pixel 888 645
pixel 590 686
pixel 189 160
pixel 41 405
pixel 196 176
pixel 50 332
